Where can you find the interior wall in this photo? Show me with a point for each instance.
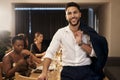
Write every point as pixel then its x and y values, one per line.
pixel 115 28
pixel 104 13
pixel 109 25
pixel 5 15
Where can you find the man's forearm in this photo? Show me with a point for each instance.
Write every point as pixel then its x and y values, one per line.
pixel 87 48
pixel 46 65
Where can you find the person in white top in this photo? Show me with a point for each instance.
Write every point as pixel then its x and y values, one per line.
pixel 76 49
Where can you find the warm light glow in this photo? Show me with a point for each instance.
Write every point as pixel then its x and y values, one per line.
pixel 4 28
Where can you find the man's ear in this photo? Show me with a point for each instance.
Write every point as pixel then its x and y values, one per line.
pixel 80 14
pixel 66 17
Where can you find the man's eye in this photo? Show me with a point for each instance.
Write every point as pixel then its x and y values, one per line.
pixel 75 12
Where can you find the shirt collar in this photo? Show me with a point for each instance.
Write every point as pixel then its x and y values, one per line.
pixel 67 29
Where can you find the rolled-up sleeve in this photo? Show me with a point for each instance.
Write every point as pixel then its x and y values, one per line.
pixel 92 53
pixel 54 45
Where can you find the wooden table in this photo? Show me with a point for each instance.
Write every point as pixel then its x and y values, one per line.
pixel 53 73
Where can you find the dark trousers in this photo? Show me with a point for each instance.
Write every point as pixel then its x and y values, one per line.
pixel 77 73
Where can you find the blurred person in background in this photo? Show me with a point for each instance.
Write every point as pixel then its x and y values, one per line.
pixel 26 51
pixel 16 60
pixel 38 48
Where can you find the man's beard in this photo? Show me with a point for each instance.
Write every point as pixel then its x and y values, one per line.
pixel 74 24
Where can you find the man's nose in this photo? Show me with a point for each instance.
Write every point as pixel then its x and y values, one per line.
pixel 72 14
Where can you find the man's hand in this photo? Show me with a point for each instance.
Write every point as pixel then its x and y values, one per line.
pixel 78 36
pixel 87 48
pixel 42 77
pixel 46 65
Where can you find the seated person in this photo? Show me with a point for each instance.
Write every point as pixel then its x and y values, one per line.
pixel 38 48
pixel 16 60
pixel 25 50
pixel 0 71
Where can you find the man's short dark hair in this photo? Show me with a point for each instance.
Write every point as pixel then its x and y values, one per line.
pixel 70 4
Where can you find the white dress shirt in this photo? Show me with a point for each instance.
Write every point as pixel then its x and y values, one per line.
pixel 72 53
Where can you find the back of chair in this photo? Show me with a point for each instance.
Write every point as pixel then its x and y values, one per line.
pixel 20 77
pixel 0 70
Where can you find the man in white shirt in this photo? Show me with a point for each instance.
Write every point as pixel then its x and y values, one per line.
pixel 77 49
